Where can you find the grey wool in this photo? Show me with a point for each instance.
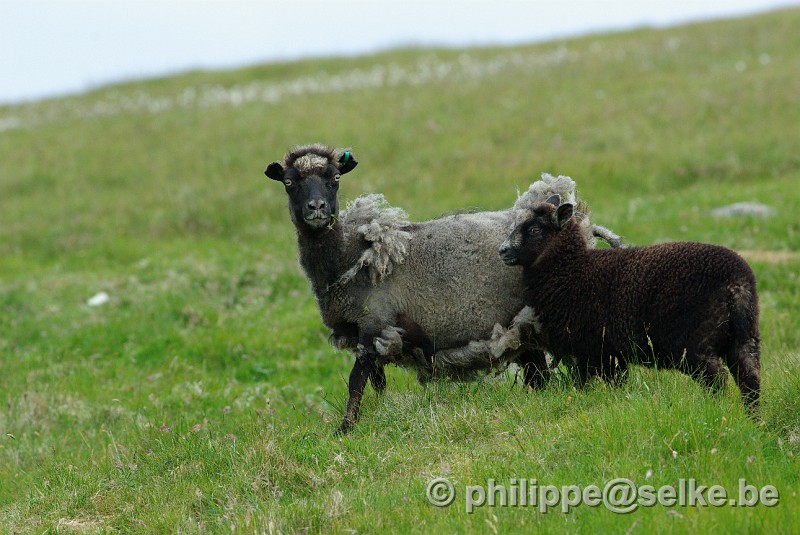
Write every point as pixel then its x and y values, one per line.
pixel 385 228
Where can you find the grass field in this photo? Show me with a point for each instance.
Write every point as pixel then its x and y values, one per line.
pixel 203 396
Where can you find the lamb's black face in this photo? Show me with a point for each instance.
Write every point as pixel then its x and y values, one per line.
pixel 522 245
pixel 529 237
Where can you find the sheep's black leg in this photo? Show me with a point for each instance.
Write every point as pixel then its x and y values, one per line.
pixel 365 368
pixel 534 368
pixel 361 371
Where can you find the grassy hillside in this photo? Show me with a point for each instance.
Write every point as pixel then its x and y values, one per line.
pixel 203 396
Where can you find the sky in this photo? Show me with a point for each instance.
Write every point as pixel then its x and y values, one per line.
pixel 57 47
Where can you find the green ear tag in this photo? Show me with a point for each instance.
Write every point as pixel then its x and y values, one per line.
pixel 346 158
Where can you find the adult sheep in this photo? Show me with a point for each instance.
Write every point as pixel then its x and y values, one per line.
pixel 675 305
pixel 393 291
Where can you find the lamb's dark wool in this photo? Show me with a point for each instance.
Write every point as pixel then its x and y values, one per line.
pixel 673 305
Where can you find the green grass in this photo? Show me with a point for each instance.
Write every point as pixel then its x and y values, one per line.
pixel 204 395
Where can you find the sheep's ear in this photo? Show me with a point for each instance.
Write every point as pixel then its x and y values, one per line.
pixel 275 171
pixel 347 162
pixel 555 200
pixel 564 213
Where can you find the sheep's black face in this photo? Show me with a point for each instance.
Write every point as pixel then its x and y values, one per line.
pixel 529 237
pixel 313 200
pixel 312 184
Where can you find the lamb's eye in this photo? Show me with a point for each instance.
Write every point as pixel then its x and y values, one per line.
pixel 336 179
pixel 534 229
pixel 287 182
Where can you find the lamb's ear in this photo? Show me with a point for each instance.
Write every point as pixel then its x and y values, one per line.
pixel 564 213
pixel 555 200
pixel 347 162
pixel 275 171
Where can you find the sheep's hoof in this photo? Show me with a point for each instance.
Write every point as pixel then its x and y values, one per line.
pixel 345 428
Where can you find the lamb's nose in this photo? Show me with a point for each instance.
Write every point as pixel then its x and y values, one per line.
pixel 317 204
pixel 504 249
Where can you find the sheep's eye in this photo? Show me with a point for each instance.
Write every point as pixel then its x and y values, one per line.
pixel 336 179
pixel 534 229
pixel 287 182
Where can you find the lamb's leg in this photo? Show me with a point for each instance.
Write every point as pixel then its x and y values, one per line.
pixel 744 364
pixel 744 355
pixel 620 376
pixel 535 371
pixel 706 369
pixel 581 371
pixel 586 366
pixel 614 370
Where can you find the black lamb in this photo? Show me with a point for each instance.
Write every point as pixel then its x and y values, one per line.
pixel 678 305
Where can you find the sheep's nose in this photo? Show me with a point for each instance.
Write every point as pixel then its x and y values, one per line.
pixel 504 249
pixel 317 204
